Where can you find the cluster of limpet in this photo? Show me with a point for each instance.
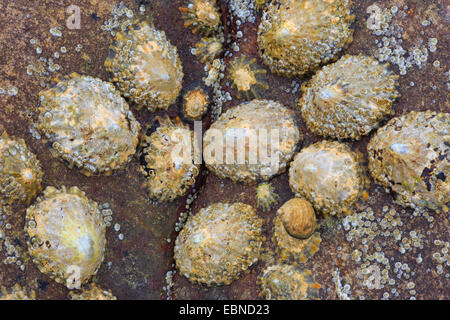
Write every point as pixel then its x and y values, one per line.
pixel 66 235
pixel 16 293
pixel 209 48
pixel 294 231
pixel 168 160
pixel 219 243
pixel 201 15
pixel 410 155
pixel 195 103
pixel 348 98
pixel 247 77
pixel 297 36
pixel 287 282
pixel 266 198
pixel 145 67
pixel 88 124
pixel 92 292
pixel 328 174
pixel 20 171
pixel 252 141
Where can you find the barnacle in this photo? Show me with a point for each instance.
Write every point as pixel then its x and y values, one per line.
pixel 348 98
pixel 16 293
pixel 297 36
pixel 145 67
pixel 195 102
pixel 66 235
pixel 209 48
pixel 88 124
pixel 20 171
pixel 305 243
pixel 287 282
pixel 168 160
pixel 251 141
pixel 201 15
pixel 247 77
pixel 92 292
pixel 266 198
pixel 219 243
pixel 410 155
pixel 328 174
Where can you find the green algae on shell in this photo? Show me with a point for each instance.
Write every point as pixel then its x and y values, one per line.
pixel 328 174
pixel 297 36
pixel 255 126
pixel 20 171
pixel 298 217
pixel 266 197
pixel 168 160
pixel 88 124
pixel 219 243
pixel 410 155
pixel 287 282
pixel 348 98
pixel 66 235
pixel 145 67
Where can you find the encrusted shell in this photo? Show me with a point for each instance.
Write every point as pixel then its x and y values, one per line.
pixel 219 243
pixel 92 292
pixel 20 171
pixel 410 155
pixel 287 282
pixel 258 122
pixel 297 36
pixel 145 67
pixel 195 103
pixel 88 124
pixel 168 160
pixel 247 77
pixel 16 293
pixel 327 174
pixel 201 15
pixel 66 235
pixel 289 247
pixel 298 217
pixel 348 98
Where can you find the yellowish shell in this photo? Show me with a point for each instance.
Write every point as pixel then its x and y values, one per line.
pixel 195 103
pixel 16 293
pixel 287 282
pixel 292 248
pixel 247 77
pixel 266 198
pixel 297 36
pixel 327 174
pixel 20 171
pixel 168 160
pixel 201 15
pixel 410 155
pixel 88 124
pixel 258 121
pixel 145 67
pixel 298 217
pixel 66 235
pixel 219 243
pixel 348 98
